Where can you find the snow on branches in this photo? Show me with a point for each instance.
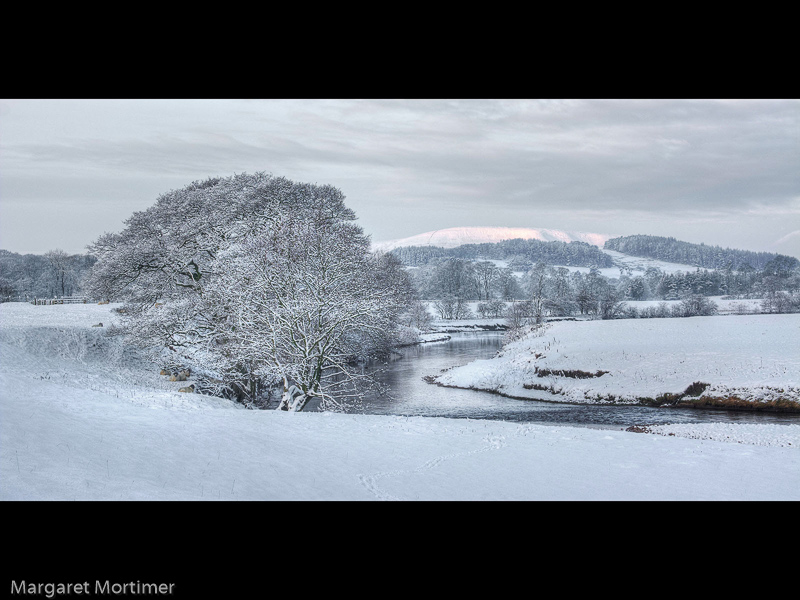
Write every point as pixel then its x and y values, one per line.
pixel 257 282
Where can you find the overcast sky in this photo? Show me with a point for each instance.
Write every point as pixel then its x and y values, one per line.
pixel 723 172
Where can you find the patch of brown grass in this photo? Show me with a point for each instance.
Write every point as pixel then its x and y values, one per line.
pixel 736 403
pixel 572 373
pixel 536 386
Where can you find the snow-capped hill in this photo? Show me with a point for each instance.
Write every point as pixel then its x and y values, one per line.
pixel 458 236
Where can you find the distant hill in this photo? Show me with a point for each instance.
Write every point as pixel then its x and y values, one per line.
pixel 698 255
pixel 613 255
pixel 459 236
pixel 519 254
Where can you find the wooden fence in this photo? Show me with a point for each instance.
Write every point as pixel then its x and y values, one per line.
pixel 62 300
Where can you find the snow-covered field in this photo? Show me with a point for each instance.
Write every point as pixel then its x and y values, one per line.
pixel 753 357
pixel 84 418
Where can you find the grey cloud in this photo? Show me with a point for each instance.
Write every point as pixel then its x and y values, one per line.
pixel 666 159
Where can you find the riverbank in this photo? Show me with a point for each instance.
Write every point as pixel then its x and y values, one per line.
pixel 427 337
pixel 469 325
pixel 665 401
pixel 732 362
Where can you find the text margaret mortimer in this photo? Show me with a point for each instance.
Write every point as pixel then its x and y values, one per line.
pixel 51 590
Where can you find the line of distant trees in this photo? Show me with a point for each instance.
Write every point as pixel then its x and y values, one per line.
pixel 52 274
pixel 699 255
pixel 450 286
pixel 520 254
pixel 747 282
pixel 484 280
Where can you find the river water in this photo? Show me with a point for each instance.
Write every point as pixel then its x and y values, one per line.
pixel 412 396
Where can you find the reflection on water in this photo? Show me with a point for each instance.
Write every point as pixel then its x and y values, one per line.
pixel 412 396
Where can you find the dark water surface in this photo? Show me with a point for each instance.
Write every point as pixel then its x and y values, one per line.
pixel 412 396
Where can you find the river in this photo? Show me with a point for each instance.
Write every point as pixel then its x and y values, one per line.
pixel 412 396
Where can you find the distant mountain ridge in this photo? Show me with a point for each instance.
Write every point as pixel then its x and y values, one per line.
pixel 453 237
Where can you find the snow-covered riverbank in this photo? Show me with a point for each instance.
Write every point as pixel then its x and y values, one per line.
pixel 83 418
pixel 754 358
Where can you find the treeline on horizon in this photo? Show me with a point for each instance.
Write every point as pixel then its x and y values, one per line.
pixel 449 281
pixel 50 275
pixel 698 255
pixel 520 253
pixel 485 281
pixel 56 273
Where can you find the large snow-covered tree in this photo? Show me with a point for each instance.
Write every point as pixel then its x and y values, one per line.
pixel 303 301
pixel 256 281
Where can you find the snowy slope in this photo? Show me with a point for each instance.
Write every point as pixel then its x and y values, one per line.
pixel 636 265
pixel 84 418
pixel 458 236
pixel 624 264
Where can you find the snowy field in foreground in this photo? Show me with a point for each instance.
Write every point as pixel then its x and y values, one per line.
pixel 755 357
pixel 82 418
